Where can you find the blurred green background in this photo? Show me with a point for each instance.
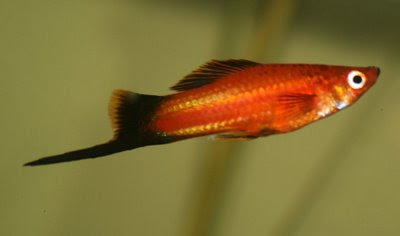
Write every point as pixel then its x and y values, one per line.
pixel 60 60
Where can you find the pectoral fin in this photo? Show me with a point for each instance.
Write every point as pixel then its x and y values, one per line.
pixel 292 106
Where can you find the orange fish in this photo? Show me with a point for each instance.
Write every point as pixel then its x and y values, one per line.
pixel 235 99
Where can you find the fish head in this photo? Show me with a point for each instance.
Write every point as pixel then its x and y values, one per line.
pixel 351 83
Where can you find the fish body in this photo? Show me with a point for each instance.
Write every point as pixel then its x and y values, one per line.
pixel 235 99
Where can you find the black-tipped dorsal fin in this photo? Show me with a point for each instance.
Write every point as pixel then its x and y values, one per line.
pixel 211 72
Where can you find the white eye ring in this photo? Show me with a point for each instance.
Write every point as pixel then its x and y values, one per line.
pixel 356 79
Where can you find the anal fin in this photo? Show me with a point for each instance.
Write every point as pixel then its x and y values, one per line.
pixel 244 135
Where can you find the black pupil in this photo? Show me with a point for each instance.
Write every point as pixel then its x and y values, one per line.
pixel 357 79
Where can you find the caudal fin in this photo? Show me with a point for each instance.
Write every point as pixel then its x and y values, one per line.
pixel 130 114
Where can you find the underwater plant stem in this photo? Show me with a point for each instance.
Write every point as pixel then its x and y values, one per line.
pixel 221 161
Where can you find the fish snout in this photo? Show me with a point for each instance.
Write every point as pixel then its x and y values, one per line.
pixel 378 71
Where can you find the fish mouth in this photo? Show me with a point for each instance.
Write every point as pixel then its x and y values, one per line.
pixel 374 71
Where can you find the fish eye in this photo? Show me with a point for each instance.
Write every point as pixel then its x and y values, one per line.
pixel 356 79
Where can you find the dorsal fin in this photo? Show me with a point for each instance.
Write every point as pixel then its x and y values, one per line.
pixel 211 72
